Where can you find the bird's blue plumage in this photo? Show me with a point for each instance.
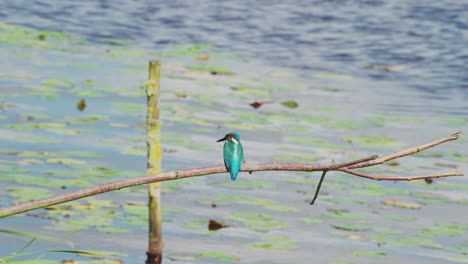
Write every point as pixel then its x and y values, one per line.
pixel 233 154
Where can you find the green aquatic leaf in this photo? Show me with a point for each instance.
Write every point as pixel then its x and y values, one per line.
pixel 55 127
pixel 83 223
pixel 368 253
pixel 290 104
pixel 39 261
pixel 240 126
pixel 445 229
pixel 197 224
pixel 111 229
pixel 458 121
pixel 257 221
pixel 117 41
pixel 311 220
pixel 130 108
pixel 458 156
pixel 25 37
pixel 243 199
pixel 205 67
pixel 303 158
pixel 23 193
pixel 182 258
pixel 343 200
pixel 399 218
pixel 351 227
pixel 388 230
pixel 273 242
pixel 373 141
pixel 244 184
pixel 398 121
pixel 69 162
pixel 30 138
pixel 342 214
pixel 346 124
pixel 328 75
pixel 185 50
pixel 56 83
pixel 218 255
pixel 404 241
pixel 252 91
pixel 89 253
pixel 314 142
pixel 301 181
pixel 458 259
pixel 81 154
pixel 371 191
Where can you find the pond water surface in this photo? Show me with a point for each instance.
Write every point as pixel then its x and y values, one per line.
pixel 368 77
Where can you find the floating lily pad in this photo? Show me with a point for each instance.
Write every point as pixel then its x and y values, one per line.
pixel 213 69
pixel 67 161
pixel 311 220
pixel 23 193
pixel 388 231
pixel 257 221
pixel 314 142
pixel 404 241
pixel 271 242
pixel 56 83
pixel 290 104
pixel 458 121
pixel 244 184
pixel 304 158
pixel 459 156
pixel 218 255
pixel 265 203
pixel 130 108
pixel 182 258
pixel 196 224
pixel 399 218
pixel 444 229
pixel 190 50
pixel 58 128
pixel 111 229
pixel 350 227
pixel 364 253
pixel 343 214
pixel 373 141
pixel 344 200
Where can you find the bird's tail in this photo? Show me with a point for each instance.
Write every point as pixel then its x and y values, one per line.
pixel 234 174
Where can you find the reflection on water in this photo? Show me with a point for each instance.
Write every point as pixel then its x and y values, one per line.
pixel 428 38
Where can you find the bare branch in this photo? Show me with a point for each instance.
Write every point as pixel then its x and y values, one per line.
pixel 405 152
pixel 174 175
pixel 399 178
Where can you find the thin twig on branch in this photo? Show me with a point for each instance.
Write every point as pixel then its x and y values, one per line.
pixel 406 152
pixel 174 175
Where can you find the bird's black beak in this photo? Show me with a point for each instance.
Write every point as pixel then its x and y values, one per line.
pixel 222 139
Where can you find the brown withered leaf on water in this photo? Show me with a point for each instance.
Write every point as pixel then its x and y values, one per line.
pixel 257 104
pixel 402 204
pixel 81 105
pixel 215 225
pixel 203 57
pixel 180 95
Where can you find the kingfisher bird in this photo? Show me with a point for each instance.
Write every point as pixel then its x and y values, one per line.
pixel 233 153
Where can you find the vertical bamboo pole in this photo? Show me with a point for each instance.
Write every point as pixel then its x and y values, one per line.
pixel 154 253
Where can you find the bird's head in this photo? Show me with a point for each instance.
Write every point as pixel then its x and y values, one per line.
pixel 232 137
